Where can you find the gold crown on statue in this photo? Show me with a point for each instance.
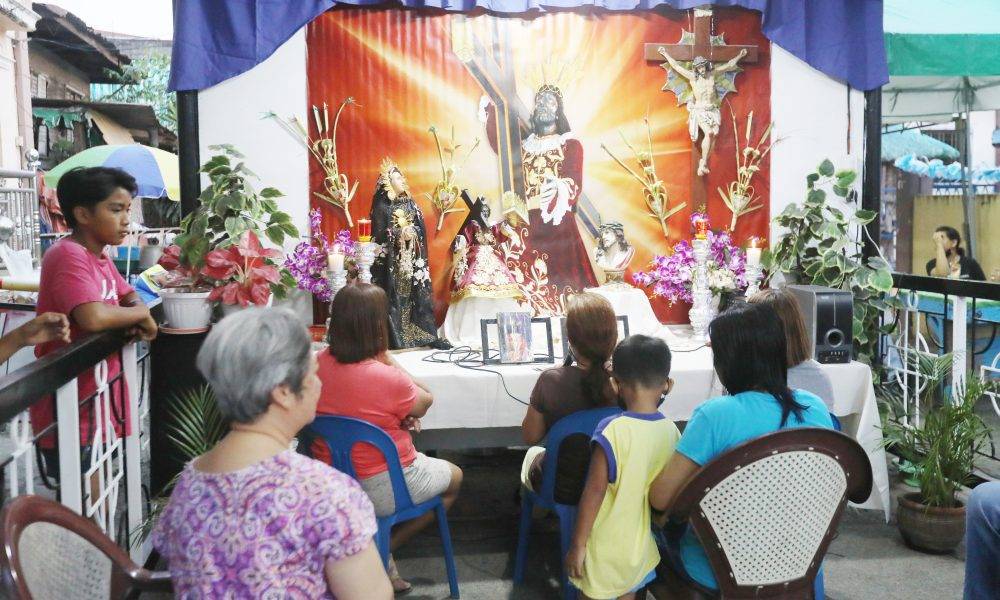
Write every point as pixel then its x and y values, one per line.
pixel 385 169
pixel 554 75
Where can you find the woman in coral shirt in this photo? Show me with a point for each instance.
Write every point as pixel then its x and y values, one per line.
pixel 361 380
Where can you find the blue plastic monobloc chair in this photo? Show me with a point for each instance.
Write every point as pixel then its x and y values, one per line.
pixel 584 422
pixel 341 434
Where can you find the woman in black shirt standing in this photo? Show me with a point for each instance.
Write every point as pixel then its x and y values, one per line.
pixel 950 260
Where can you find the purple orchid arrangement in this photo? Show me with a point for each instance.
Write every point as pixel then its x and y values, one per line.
pixel 308 261
pixel 670 276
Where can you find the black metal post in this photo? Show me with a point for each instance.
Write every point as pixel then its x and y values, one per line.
pixel 871 186
pixel 189 154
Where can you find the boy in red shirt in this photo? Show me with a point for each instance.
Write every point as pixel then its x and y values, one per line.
pixel 81 282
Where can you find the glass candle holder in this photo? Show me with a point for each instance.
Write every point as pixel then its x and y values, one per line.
pixel 364 230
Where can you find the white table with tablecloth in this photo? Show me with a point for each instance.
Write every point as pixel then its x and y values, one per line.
pixel 483 407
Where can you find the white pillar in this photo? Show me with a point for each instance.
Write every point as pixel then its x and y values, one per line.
pixel 133 451
pixel 958 345
pixel 68 427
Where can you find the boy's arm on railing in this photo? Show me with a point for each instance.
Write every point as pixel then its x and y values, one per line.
pixel 95 317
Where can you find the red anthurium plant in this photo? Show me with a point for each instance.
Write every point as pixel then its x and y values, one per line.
pixel 245 270
pixel 178 274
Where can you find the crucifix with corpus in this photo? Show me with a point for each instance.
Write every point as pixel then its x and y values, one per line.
pixel 698 81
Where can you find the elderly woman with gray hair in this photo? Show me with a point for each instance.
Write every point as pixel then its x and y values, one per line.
pixel 250 518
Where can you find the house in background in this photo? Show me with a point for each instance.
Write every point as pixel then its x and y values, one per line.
pixel 16 20
pixel 66 58
pixel 134 46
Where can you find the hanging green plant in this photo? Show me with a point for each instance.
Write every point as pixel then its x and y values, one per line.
pixel 819 249
pixel 229 207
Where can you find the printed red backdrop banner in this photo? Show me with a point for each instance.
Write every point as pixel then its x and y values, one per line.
pixel 409 70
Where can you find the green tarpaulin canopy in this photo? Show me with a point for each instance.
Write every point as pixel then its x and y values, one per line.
pixel 944 58
pixel 53 117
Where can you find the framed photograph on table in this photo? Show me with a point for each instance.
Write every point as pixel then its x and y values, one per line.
pixel 516 339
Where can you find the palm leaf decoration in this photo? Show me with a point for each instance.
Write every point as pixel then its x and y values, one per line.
pixel 195 423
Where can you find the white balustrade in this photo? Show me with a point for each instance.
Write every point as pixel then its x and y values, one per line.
pixel 903 356
pixel 114 462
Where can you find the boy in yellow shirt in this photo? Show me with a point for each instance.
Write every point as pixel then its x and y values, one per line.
pixel 613 554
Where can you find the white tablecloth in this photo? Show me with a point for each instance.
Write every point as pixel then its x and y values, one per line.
pixel 466 398
pixel 462 325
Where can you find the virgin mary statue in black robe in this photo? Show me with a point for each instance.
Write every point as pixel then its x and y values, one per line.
pixel 401 265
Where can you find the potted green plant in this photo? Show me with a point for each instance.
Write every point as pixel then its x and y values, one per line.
pixel 940 449
pixel 818 249
pixel 229 208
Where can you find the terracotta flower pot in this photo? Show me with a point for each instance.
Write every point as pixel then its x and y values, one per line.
pixel 930 529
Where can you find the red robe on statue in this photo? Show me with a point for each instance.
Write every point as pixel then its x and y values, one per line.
pixel 547 256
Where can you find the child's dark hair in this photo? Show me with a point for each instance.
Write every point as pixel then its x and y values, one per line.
pixel 641 360
pixel 750 354
pixel 90 186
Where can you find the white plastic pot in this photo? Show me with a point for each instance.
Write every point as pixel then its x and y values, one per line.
pixel 186 310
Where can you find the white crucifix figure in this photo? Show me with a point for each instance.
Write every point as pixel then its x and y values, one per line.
pixel 698 80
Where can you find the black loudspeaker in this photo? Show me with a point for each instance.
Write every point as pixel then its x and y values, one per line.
pixel 829 316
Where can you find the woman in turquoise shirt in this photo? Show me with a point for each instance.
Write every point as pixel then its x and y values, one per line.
pixel 750 358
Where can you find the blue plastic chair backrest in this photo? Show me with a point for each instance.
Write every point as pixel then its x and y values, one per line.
pixel 341 434
pixel 585 422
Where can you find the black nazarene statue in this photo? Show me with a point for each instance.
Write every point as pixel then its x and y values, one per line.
pixel 401 266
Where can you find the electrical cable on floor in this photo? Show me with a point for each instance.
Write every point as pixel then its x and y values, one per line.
pixel 467 357
pixel 695 349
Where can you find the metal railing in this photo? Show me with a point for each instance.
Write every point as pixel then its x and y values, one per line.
pixel 19 203
pixel 940 316
pixel 92 456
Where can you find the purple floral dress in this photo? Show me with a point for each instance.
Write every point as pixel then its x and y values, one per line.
pixel 264 531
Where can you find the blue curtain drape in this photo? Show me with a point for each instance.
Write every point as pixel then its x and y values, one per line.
pixel 216 40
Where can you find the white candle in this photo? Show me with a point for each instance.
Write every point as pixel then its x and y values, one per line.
pixel 753 254
pixel 335 260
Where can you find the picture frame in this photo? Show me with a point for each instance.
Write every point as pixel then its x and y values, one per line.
pixel 496 355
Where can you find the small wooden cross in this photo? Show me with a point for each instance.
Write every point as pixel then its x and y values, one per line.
pixel 703 47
